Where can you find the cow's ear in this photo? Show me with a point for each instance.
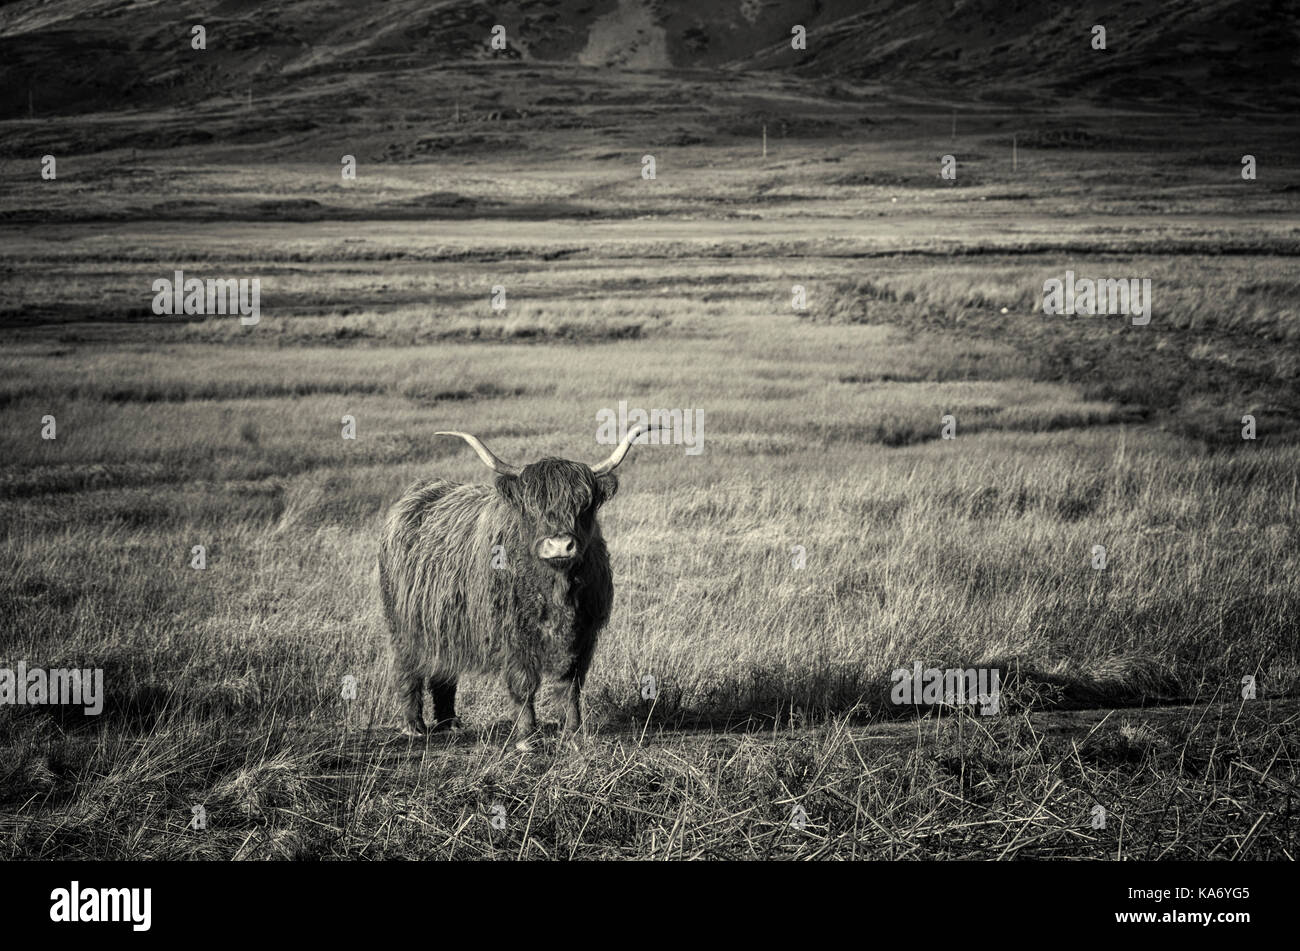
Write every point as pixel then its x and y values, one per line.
pixel 508 486
pixel 607 485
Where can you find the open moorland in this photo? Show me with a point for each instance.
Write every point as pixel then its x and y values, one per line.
pixel 824 536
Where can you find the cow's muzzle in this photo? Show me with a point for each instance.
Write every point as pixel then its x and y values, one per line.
pixel 557 549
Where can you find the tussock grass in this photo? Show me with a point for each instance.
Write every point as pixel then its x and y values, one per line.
pixel 822 430
pixel 1188 784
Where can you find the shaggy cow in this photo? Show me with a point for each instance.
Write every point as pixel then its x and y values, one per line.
pixel 509 579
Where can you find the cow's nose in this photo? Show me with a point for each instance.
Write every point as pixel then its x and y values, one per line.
pixel 557 546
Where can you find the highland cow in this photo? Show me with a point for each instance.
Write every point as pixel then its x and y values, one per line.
pixel 511 579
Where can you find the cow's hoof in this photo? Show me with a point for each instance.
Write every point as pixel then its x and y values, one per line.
pixel 524 746
pixel 414 730
pixel 446 726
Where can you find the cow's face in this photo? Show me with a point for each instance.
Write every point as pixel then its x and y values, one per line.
pixel 556 501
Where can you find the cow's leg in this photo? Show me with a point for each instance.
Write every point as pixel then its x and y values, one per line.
pixel 443 689
pixel 410 691
pixel 522 684
pixel 571 694
pixel 570 690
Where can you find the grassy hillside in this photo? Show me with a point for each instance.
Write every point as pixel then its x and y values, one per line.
pixel 85 56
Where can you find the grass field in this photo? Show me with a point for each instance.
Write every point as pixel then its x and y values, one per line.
pixel 822 430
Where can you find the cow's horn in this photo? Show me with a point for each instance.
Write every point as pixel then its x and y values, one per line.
pixel 617 455
pixel 484 453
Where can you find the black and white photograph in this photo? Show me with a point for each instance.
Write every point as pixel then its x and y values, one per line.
pixel 713 432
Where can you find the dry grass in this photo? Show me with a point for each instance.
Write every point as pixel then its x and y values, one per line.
pixel 1211 782
pixel 821 430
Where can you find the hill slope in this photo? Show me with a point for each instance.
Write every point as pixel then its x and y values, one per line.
pixel 75 56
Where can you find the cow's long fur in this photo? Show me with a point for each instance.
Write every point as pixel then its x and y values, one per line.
pixel 450 611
